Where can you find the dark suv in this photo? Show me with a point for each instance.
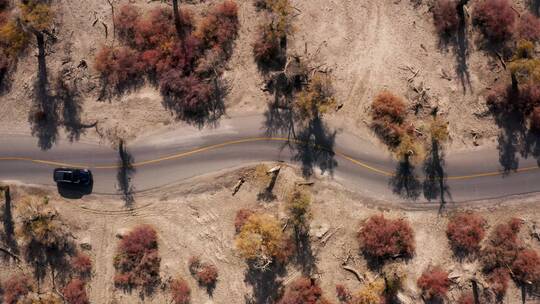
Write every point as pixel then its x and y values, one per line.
pixel 73 176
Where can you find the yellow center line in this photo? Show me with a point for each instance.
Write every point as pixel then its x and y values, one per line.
pixel 246 140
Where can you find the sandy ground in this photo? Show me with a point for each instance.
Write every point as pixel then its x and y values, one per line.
pixel 197 216
pixel 369 46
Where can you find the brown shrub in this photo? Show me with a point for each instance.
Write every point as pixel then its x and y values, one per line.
pixel 434 283
pixel 465 232
pixel 181 293
pixel 219 27
pixel 383 238
pixel 535 120
pixel 267 48
pixel 13 39
pixel 126 21
pixel 119 67
pixel 526 267
pixel 498 280
pixel 388 115
pixel 502 246
pixel 303 290
pixel 82 264
pixel 445 16
pixel 205 274
pixel 466 298
pixel 496 19
pixel 137 260
pixel 189 96
pixel 16 287
pixel 241 217
pixel 75 292
pixel 528 27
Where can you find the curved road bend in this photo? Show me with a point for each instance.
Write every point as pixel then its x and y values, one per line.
pixel 169 157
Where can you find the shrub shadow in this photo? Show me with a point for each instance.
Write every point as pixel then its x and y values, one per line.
pixel 125 174
pixel 304 253
pixel 8 234
pixel 266 284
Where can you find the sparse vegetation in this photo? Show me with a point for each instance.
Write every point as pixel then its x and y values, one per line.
pixel 181 293
pixel 434 283
pixel 206 274
pixel 465 232
pixel 383 238
pixel 137 260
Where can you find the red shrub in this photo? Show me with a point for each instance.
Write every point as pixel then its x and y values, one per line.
pixel 383 238
pixel 267 48
pixel 496 18
pixel 529 27
pixel 388 114
pixel 75 292
pixel 156 30
pixel 465 232
pixel 16 287
pixel 303 290
pixel 82 264
pixel 219 27
pixel 181 293
pixel 498 280
pixel 126 22
pixel 526 267
pixel 502 246
pixel 343 294
pixel 445 16
pixel 189 95
pixel 466 298
pixel 118 67
pixel 137 260
pixel 206 274
pixel 241 217
pixel 535 120
pixel 434 283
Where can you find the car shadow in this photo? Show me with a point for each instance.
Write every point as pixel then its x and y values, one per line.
pixel 71 191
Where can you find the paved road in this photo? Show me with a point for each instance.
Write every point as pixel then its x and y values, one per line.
pixel 173 156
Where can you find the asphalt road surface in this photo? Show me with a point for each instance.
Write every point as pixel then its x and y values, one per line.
pixel 166 158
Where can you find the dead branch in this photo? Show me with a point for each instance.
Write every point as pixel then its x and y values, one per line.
pixel 329 235
pixel 238 185
pixel 11 254
pixel 501 60
pixel 355 272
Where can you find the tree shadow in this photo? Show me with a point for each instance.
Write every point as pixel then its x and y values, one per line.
pixel 44 114
pixel 125 174
pixel 512 135
pixel 435 185
pixel 304 252
pixel 534 6
pixel 9 225
pixel 279 120
pixel 461 48
pixel 45 257
pixel 314 146
pixel 405 183
pixel 266 284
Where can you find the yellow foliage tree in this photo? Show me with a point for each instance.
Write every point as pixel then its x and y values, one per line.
pixel 317 98
pixel 260 240
pixel 13 39
pixel 36 15
pixel 523 65
pixel 370 293
pixel 410 150
pixel 438 130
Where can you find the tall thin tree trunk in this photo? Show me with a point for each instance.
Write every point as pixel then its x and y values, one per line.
pixel 177 19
